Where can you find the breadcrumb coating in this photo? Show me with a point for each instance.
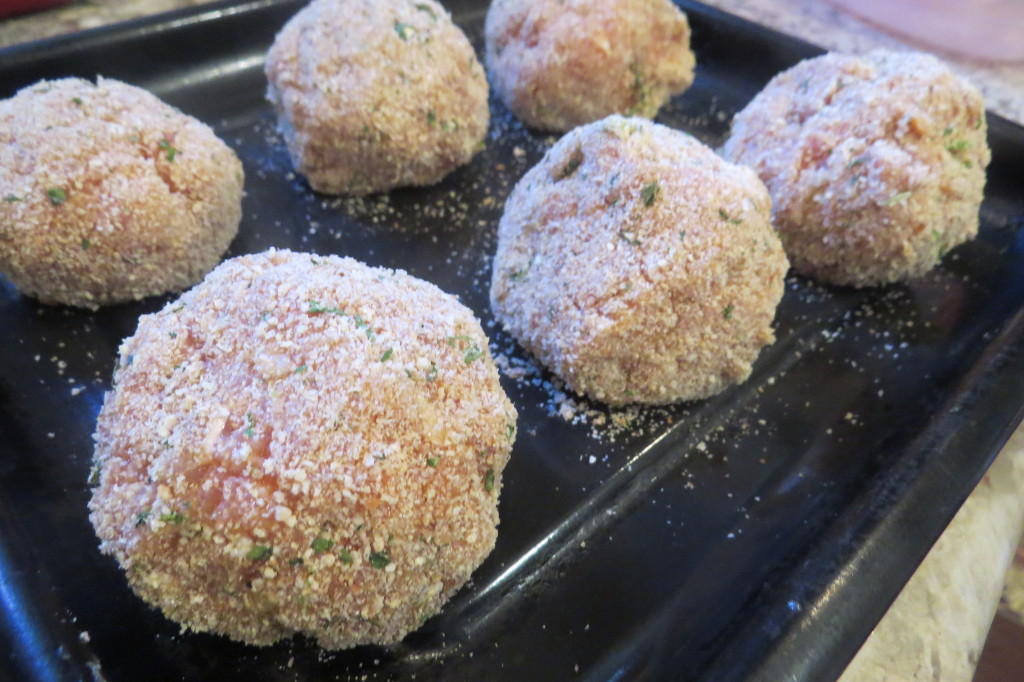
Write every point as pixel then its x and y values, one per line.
pixel 302 444
pixel 376 94
pixel 109 194
pixel 876 164
pixel 637 265
pixel 559 64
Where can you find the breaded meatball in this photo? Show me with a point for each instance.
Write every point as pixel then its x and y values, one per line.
pixel 109 194
pixel 558 64
pixel 302 444
pixel 875 164
pixel 376 94
pixel 637 265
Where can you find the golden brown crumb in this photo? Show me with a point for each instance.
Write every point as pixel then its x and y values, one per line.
pixel 110 195
pixel 558 64
pixel 876 164
pixel 637 265
pixel 376 94
pixel 302 444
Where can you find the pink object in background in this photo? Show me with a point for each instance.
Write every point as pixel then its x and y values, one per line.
pixel 990 30
pixel 10 8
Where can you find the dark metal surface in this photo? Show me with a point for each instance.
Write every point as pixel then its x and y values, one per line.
pixel 756 535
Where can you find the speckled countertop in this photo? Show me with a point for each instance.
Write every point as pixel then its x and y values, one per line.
pixel 936 628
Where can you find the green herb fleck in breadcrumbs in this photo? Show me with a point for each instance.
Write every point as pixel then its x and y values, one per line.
pixel 171 152
pixel 301 369
pixel 725 216
pixel 403 30
pixel 141 517
pixel 958 146
pixel 727 312
pixel 315 308
pixel 431 118
pixel 260 552
pixel 250 425
pixel 896 199
pixel 650 193
pixel 489 480
pixel 174 517
pixel 345 556
pixel 570 167
pixel 426 8
pixel 386 355
pixel 321 545
pixel 432 461
pixel 10 198
pixel 379 559
pixel 56 196
pixel 86 244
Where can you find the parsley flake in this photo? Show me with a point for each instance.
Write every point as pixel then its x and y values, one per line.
pixel 86 244
pixel 141 517
pixel 168 149
pixel 260 552
pixel 56 196
pixel 174 517
pixel 650 193
pixel 727 312
pixel 403 30
pixel 315 308
pixel 10 198
pixel 386 355
pixel 250 425
pixel 321 545
pixel 431 118
pixel 379 559
pixel 958 146
pixel 423 7
pixel 432 461
pixel 489 480
pixel 301 369
pixel 896 199
pixel 345 556
pixel 725 216
pixel 570 167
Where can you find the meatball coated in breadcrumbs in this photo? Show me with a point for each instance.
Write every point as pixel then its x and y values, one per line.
pixel 302 444
pixel 376 94
pixel 110 195
pixel 876 164
pixel 559 64
pixel 637 265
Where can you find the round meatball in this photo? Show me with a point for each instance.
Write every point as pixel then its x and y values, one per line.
pixel 302 444
pixel 637 265
pixel 376 94
pixel 109 194
pixel 876 164
pixel 558 64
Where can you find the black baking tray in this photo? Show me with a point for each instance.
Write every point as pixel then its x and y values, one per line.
pixel 758 535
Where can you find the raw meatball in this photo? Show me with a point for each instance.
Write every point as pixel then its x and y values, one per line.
pixel 302 444
pixel 110 195
pixel 558 64
pixel 376 94
pixel 876 164
pixel 637 265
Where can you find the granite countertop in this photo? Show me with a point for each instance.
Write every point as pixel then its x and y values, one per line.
pixel 936 628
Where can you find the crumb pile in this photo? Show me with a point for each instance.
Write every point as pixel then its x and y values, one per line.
pixel 559 64
pixel 637 265
pixel 876 164
pixel 302 444
pixel 376 94
pixel 109 194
